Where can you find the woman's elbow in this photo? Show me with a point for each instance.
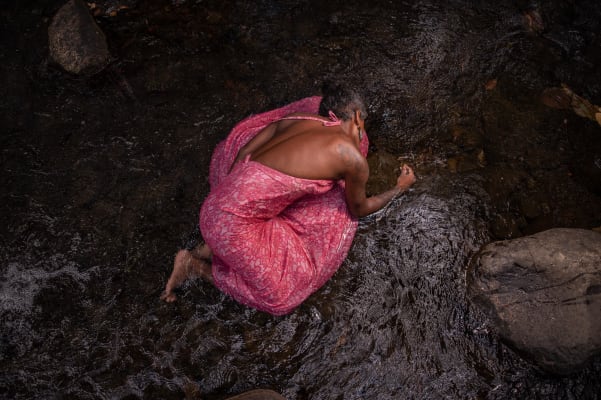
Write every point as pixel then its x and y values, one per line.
pixel 358 211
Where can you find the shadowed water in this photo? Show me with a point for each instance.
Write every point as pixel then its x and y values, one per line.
pixel 103 176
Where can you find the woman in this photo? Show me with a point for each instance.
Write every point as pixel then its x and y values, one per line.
pixel 287 188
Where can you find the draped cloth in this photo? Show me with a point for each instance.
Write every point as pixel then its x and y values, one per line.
pixel 275 238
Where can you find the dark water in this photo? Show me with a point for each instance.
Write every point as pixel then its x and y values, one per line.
pixel 102 179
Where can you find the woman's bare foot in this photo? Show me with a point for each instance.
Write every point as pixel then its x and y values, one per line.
pixel 188 264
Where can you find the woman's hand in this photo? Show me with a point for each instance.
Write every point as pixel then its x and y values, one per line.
pixel 406 179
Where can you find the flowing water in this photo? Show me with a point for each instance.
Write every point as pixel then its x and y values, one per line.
pixel 103 175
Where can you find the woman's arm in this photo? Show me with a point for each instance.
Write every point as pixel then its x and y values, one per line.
pixel 355 177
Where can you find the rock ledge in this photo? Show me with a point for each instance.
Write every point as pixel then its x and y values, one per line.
pixel 544 294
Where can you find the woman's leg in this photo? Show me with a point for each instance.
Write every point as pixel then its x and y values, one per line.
pixel 195 263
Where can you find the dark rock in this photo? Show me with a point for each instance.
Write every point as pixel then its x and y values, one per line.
pixel 467 138
pixel 75 41
pixel 466 162
pixel 543 292
pixel 530 207
pixel 258 394
pixel 505 226
pixel 556 98
pixel 384 170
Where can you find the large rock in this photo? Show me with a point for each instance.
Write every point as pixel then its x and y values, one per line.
pixel 75 41
pixel 544 293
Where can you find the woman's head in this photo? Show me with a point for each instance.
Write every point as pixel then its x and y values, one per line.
pixel 342 101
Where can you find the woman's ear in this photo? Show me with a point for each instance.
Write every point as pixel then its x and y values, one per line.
pixel 357 117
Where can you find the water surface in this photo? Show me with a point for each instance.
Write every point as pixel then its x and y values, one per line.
pixel 103 177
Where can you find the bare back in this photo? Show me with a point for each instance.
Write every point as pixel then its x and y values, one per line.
pixel 304 148
pixel 308 149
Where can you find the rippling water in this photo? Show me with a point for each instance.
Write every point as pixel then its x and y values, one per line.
pixel 100 188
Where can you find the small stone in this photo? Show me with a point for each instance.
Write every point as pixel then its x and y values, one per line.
pixel 491 84
pixel 75 41
pixel 556 98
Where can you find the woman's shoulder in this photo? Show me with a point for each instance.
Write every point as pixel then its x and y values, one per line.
pixel 298 116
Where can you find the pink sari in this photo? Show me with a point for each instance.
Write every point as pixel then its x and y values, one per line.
pixel 276 239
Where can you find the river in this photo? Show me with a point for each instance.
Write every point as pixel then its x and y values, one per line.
pixel 103 177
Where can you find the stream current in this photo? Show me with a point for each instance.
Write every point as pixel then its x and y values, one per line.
pixel 103 176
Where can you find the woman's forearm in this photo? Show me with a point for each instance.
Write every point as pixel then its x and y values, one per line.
pixel 379 201
pixel 372 204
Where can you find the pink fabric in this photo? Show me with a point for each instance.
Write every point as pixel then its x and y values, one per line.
pixel 276 239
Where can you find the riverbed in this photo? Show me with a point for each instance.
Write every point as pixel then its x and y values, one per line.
pixel 103 176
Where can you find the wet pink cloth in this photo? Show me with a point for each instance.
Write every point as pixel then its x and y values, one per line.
pixel 276 239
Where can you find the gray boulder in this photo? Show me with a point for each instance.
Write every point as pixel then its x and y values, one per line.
pixel 544 294
pixel 75 41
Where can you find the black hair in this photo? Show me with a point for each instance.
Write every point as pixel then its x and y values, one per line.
pixel 341 100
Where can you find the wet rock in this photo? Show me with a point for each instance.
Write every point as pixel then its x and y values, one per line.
pixel 75 41
pixel 556 98
pixel 467 162
pixel 505 226
pixel 533 21
pixel 502 181
pixel 258 394
pixel 530 208
pixel 383 171
pixel 581 106
pixel 544 293
pixel 491 84
pixel 587 169
pixel 192 390
pixel 467 138
pixel 469 142
pixel 564 98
